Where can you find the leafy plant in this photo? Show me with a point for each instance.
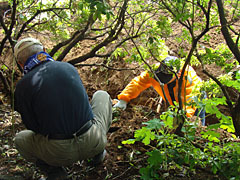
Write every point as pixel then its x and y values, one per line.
pixel 169 151
pixel 111 27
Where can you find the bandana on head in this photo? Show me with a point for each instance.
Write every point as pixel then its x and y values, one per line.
pixel 35 60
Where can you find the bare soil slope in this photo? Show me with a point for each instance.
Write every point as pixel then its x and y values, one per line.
pixel 122 161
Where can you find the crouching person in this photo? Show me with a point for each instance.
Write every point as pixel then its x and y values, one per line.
pixel 63 127
pixel 170 82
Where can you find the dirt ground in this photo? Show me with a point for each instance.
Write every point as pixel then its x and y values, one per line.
pixel 122 161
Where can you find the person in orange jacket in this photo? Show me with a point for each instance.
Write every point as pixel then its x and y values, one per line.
pixel 170 88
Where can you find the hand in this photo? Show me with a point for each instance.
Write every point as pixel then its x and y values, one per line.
pixel 121 104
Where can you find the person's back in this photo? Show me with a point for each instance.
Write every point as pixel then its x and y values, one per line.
pixel 53 96
pixel 62 125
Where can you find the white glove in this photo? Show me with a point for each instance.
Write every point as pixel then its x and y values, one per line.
pixel 121 104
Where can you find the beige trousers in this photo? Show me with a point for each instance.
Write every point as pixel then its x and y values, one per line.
pixel 34 146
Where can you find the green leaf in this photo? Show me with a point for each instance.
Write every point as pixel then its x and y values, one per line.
pixel 145 135
pixel 208 51
pixel 154 124
pixel 214 126
pixel 146 173
pixel 3 67
pixel 129 141
pixel 155 158
pixel 80 6
pixel 211 135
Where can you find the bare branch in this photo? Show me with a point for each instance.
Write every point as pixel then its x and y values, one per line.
pixel 108 67
pixel 79 37
pixel 113 35
pixel 116 46
pixel 221 86
pixel 33 17
pixel 64 43
pixel 174 15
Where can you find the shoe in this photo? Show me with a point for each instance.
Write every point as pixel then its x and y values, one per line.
pixel 58 173
pixel 53 172
pixel 98 159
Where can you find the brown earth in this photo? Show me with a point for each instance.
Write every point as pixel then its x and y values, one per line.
pixel 122 161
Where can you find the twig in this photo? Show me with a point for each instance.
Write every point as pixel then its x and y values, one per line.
pixel 108 67
pixel 113 35
pixel 161 84
pixel 5 82
pixel 122 173
pixel 221 86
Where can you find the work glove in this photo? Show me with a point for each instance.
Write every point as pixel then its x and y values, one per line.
pixel 121 104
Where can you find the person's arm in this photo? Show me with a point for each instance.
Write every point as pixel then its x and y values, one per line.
pixel 133 89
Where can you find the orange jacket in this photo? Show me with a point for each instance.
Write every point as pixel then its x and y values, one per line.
pixel 144 81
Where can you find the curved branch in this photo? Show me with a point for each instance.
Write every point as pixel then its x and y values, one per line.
pixel 230 105
pixel 174 15
pixel 116 46
pixel 79 37
pixel 113 35
pixel 194 44
pixel 232 46
pixel 13 21
pixel 33 17
pixel 92 53
pixel 64 43
pixel 8 32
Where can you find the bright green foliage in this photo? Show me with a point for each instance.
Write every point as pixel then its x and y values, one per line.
pixel 211 108
pixel 216 98
pixel 155 45
pixel 145 135
pixel 232 82
pixel 164 26
pixel 211 136
pixel 172 117
pixel 119 52
pixel 154 124
pixel 64 17
pixel 173 152
pixel 220 55
pixel 99 8
pixel 151 24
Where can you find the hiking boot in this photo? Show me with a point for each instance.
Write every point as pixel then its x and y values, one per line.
pixel 58 173
pixel 98 159
pixel 53 172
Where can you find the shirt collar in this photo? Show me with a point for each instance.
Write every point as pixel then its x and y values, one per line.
pixel 36 59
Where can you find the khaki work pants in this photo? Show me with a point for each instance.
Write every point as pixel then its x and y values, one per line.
pixel 34 146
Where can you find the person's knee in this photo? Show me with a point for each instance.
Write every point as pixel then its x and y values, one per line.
pixel 101 93
pixel 24 144
pixel 102 96
pixel 22 137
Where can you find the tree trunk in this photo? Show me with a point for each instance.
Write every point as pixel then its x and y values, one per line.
pixel 236 117
pixel 232 46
